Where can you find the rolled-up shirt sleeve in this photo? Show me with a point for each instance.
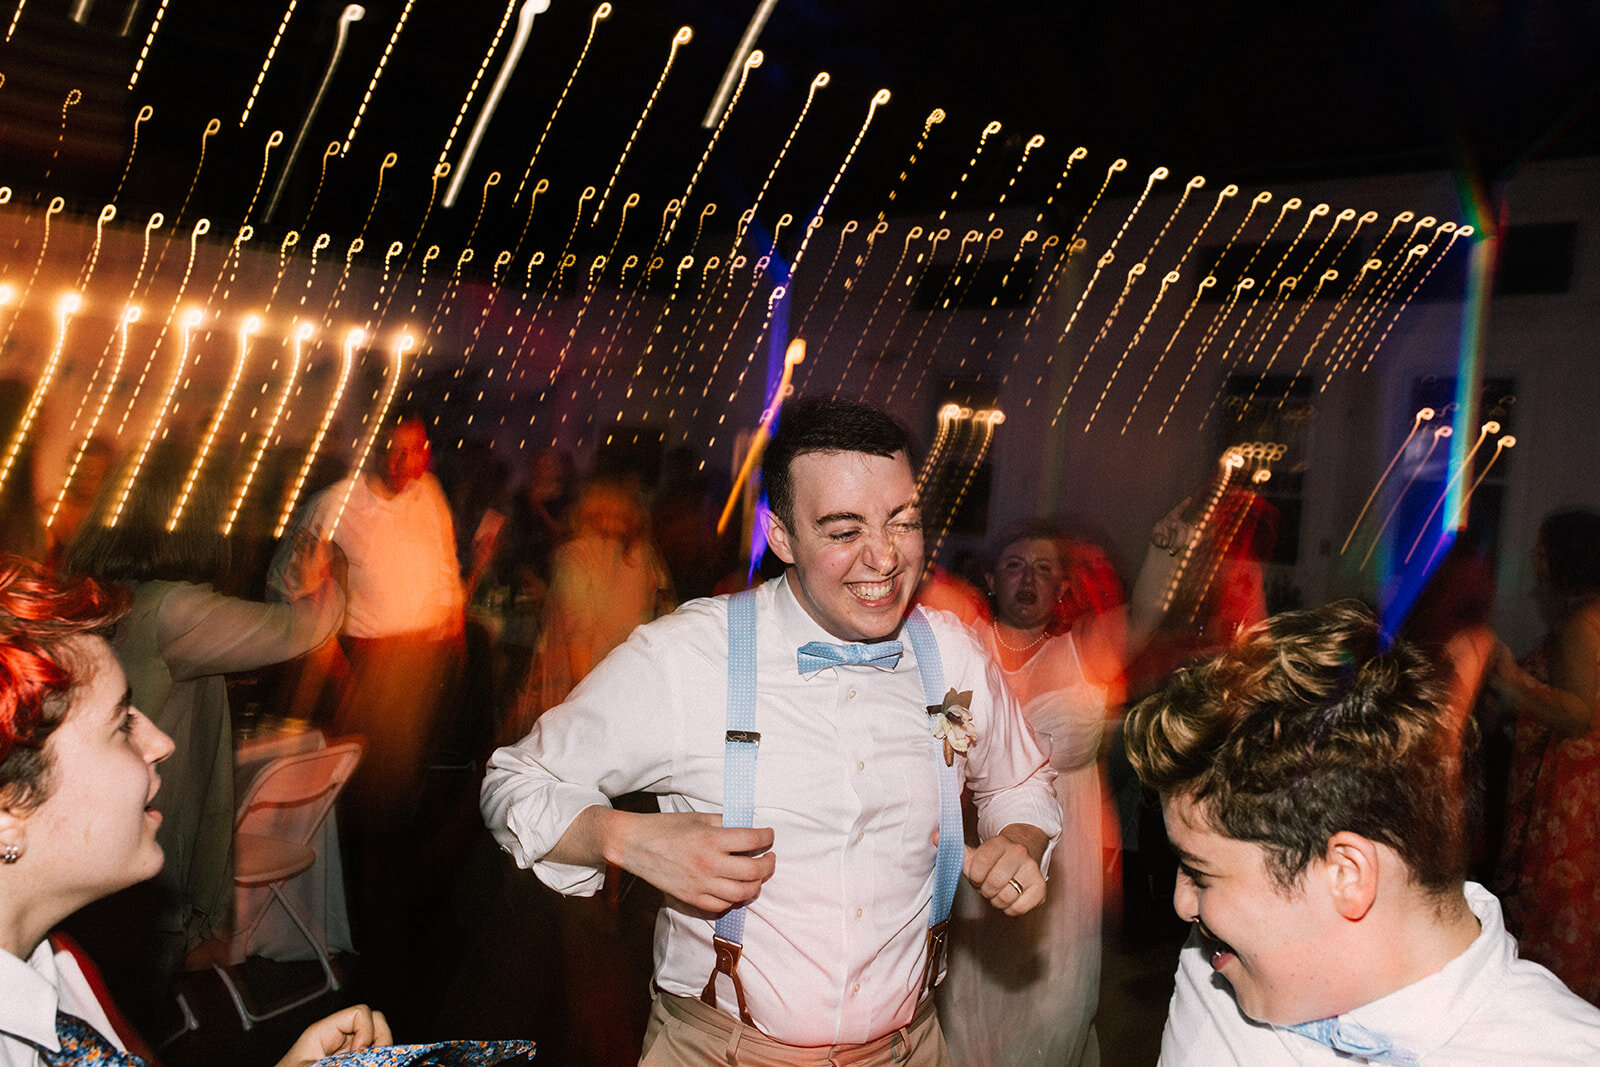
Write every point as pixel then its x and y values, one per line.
pixel 616 733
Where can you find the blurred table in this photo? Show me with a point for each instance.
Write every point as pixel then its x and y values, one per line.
pixel 319 891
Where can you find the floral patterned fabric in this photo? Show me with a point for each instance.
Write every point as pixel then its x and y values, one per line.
pixel 1549 871
pixel 443 1054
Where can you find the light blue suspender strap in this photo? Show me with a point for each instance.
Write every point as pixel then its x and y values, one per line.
pixel 738 778
pixel 947 865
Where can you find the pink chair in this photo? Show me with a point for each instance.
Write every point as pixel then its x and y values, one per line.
pixel 278 819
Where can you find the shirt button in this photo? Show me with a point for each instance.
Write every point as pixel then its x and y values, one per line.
pixel 855 989
pixel 851 694
pixel 858 913
pixel 860 766
pixel 861 836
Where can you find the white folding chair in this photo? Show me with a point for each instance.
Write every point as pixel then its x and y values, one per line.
pixel 277 823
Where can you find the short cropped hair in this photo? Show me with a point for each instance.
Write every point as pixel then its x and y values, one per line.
pixel 1308 726
pixel 825 424
pixel 39 616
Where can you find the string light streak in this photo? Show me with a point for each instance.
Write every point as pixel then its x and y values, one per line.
pixel 1075 244
pixel 15 17
pixel 189 323
pixel 377 72
pixel 66 306
pixel 1464 231
pixel 724 105
pixel 1355 283
pixel 1360 325
pixel 140 119
pixel 1490 427
pixel 508 66
pixel 266 63
pixel 1205 283
pixel 1167 282
pixel 601 13
pixel 274 139
pixel 1232 461
pixel 1133 276
pixel 879 98
pixel 793 356
pixel 248 329
pixel 201 228
pixel 1329 275
pixel 73 97
pixel 107 214
pixel 150 39
pixel 845 231
pixel 1258 335
pixel 1244 285
pixel 739 61
pixel 684 35
pixel 819 82
pixel 964 287
pixel 989 131
pixel 1500 445
pixel 299 334
pixel 389 160
pixel 1441 433
pixel 328 153
pixel 949 415
pixel 988 418
pixel 941 299
pixel 912 281
pixel 1335 355
pixel 403 344
pixel 1423 415
pixel 935 117
pixel 53 209
pixel 352 341
pixel 130 315
pixel 351 13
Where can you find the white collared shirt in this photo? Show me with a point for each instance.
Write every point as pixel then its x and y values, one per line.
pixel 1485 1007
pixel 30 993
pixel 404 575
pixel 834 945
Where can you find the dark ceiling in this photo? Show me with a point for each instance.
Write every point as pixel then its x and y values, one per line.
pixel 1240 90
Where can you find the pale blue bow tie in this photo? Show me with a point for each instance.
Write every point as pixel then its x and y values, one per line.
pixel 1356 1040
pixel 813 656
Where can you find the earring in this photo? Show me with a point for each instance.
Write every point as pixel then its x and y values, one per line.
pixel 10 854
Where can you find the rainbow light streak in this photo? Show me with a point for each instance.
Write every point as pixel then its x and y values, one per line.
pixel 188 324
pixel 793 356
pixel 129 316
pixel 66 307
pixel 403 344
pixel 299 335
pixel 248 329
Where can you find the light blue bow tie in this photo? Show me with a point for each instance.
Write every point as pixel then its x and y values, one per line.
pixel 1356 1040
pixel 813 656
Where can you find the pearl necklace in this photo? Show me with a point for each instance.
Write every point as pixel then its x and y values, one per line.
pixel 995 626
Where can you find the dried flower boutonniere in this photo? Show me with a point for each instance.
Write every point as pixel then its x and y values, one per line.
pixel 952 724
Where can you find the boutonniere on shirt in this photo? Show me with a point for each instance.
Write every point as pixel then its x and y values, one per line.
pixel 952 724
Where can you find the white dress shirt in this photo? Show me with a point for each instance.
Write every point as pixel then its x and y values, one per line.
pixel 31 992
pixel 834 945
pixel 1485 1007
pixel 404 575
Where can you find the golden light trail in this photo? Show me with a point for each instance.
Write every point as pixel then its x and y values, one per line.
pixel 150 39
pixel 1336 353
pixel 845 231
pixel 818 82
pixel 66 307
pixel 1232 460
pixel 353 340
pixel 388 161
pixel 1466 464
pixel 299 334
pixel 717 111
pixel 140 119
pixel 130 315
pixel 248 329
pixel 751 62
pixel 963 287
pixel 201 227
pixel 935 117
pixel 1329 275
pixel 51 211
pixel 684 35
pixel 1073 245
pixel 1423 415
pixel 940 300
pixel 1464 231
pixel 328 153
pixel 190 322
pixel 879 98
pixel 1167 282
pixel 1442 433
pixel 913 280
pixel 988 418
pixel 1258 335
pixel 272 50
pixel 15 16
pixel 508 66
pixel 372 84
pixel 74 96
pixel 949 415
pixel 793 356
pixel 351 13
pixel 1500 445
pixel 402 346
pixel 107 213
pixel 601 13
pixel 988 131
pixel 1083 361
pixel 1355 283
pixel 274 139
pixel 1209 280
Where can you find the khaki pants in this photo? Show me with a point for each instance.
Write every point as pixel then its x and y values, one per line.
pixel 683 1032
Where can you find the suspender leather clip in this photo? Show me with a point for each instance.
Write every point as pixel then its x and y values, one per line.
pixel 938 936
pixel 749 737
pixel 727 963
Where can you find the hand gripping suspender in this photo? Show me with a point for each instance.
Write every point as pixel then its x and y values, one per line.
pixel 739 784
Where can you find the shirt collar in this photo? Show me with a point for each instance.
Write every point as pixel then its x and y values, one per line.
pixel 798 627
pixel 28 1008
pixel 1424 1016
